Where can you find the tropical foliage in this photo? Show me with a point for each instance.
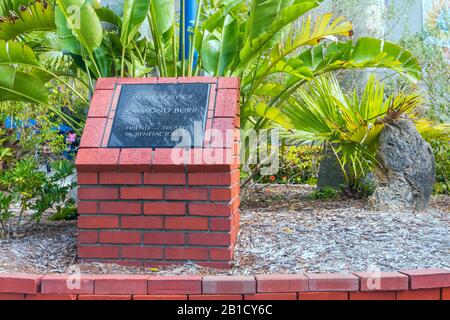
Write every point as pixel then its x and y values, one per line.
pixel 441 150
pixel 297 165
pixel 254 40
pixel 33 192
pixel 349 124
pixel 276 47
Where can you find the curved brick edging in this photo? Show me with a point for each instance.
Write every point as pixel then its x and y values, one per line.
pixel 427 284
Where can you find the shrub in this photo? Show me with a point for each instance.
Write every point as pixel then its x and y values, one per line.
pixel 298 165
pixel 441 150
pixel 324 193
pixel 33 191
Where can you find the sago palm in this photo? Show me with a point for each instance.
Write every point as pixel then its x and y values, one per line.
pixel 349 124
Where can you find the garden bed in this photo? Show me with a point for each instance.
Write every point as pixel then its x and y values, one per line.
pixel 282 231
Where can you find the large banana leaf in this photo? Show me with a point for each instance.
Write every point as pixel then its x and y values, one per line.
pixel 254 47
pixel 217 18
pixel 66 37
pixel 218 51
pixel 104 61
pixel 135 12
pixel 79 18
pixel 162 24
pixel 366 53
pixel 38 16
pixel 374 52
pixel 262 14
pixel 107 15
pixel 12 52
pixel 163 15
pixel 19 86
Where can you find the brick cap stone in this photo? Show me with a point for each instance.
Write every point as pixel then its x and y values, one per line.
pixel 428 278
pixel 332 282
pixel 68 284
pixel 19 283
pixel 382 281
pixel 229 285
pixel 281 283
pixel 168 285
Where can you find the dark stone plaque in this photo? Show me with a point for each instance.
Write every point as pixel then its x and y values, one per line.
pixel 160 116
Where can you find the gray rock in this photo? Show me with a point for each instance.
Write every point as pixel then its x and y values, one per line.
pixel 407 171
pixel 330 173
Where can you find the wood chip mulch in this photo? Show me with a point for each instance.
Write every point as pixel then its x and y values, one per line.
pixel 282 231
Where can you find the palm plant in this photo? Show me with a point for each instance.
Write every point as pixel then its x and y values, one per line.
pixel 349 124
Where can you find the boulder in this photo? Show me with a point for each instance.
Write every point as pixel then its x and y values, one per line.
pixel 330 172
pixel 406 173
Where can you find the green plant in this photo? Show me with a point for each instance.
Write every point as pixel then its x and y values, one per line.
pixel 349 124
pixel 67 212
pixel 441 150
pixel 54 189
pixel 254 40
pixel 33 191
pixel 7 148
pixel 5 213
pixel 298 165
pixel 28 139
pixel 436 72
pixel 23 182
pixel 324 194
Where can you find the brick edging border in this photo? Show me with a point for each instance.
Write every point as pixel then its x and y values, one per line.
pixel 421 284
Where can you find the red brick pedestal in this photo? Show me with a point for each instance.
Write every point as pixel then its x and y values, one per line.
pixel 140 206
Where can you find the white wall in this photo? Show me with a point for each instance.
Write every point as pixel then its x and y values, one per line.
pixel 412 22
pixel 365 24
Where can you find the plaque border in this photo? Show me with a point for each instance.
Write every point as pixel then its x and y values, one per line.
pixel 115 104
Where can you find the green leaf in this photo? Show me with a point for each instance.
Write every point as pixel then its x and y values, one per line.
pixel 107 15
pixel 216 18
pixel 11 5
pixel 270 89
pixel 135 12
pixel 38 16
pixel 104 61
pixel 20 86
pixel 12 52
pixel 66 37
pixel 273 114
pixel 374 52
pixel 218 53
pixel 209 53
pixel 366 53
pixel 262 14
pixel 253 47
pixel 163 14
pixel 82 20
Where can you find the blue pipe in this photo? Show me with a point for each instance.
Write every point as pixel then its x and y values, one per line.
pixel 189 13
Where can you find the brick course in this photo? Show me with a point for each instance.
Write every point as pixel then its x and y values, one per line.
pixel 14 286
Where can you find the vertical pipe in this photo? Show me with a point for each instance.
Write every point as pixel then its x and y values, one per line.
pixel 187 20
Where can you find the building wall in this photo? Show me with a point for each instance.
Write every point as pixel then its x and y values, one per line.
pixel 412 22
pixel 368 23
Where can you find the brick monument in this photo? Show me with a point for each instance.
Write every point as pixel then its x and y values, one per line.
pixel 148 196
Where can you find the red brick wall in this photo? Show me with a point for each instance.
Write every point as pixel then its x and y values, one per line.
pixel 431 284
pixel 140 207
